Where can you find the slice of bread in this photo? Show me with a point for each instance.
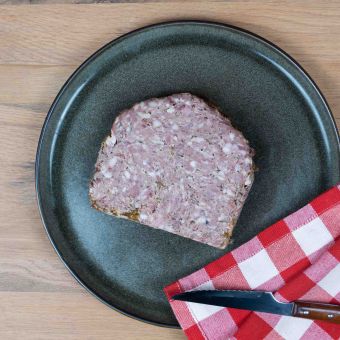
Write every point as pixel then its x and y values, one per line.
pixel 176 164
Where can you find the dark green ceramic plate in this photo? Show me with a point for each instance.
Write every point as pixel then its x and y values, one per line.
pixel 265 93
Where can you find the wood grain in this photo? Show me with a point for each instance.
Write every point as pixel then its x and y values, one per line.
pixel 40 47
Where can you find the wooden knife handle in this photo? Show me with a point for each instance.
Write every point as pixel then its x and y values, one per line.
pixel 317 311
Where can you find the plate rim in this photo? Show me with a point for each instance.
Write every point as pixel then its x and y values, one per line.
pixel 94 56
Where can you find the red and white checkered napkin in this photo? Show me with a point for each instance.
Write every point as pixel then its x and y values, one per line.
pixel 297 258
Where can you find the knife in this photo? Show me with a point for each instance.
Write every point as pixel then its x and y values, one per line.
pixel 263 302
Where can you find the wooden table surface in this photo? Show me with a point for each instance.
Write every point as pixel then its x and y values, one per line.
pixel 40 45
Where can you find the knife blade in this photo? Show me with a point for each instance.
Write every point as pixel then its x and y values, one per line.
pixel 259 301
pixel 250 300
